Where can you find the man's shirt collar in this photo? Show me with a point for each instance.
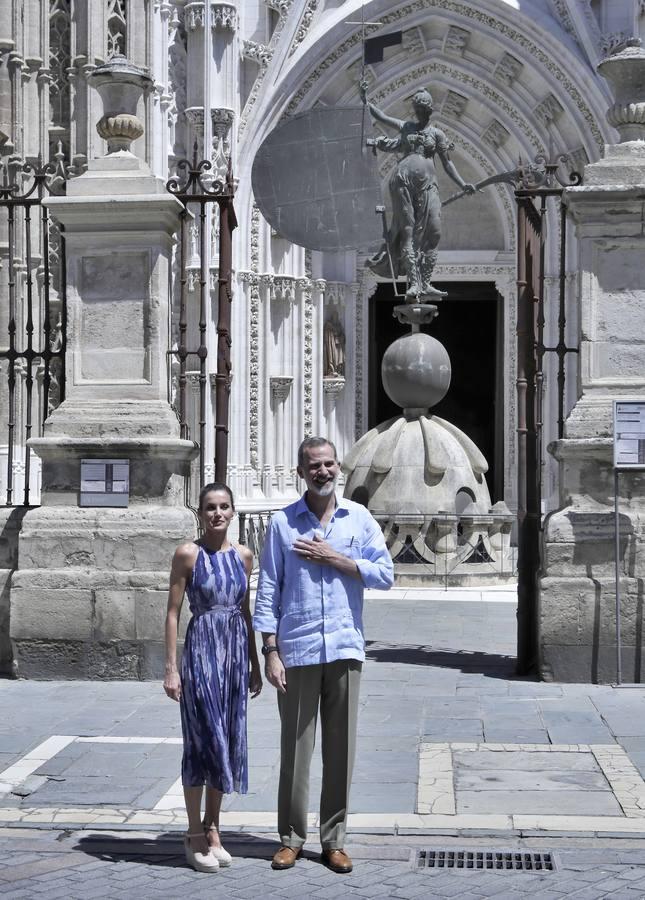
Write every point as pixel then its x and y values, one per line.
pixel 302 508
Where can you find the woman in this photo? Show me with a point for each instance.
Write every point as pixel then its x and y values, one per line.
pixel 416 208
pixel 214 677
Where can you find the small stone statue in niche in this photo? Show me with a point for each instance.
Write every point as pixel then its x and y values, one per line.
pixel 333 347
pixel 415 230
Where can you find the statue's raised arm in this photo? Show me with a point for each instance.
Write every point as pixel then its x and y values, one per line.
pixel 378 114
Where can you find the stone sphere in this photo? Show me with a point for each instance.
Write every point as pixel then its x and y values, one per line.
pixel 416 371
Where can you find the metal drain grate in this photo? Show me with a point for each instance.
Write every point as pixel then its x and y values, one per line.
pixel 499 860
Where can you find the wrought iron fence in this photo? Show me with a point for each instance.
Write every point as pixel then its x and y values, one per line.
pixel 537 186
pixel 199 188
pixel 32 319
pixel 252 530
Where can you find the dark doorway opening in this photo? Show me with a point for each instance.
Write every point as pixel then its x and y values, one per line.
pixel 469 325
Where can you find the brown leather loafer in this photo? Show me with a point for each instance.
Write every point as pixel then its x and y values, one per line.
pixel 286 857
pixel 337 860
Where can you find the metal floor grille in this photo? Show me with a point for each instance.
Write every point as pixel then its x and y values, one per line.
pixel 500 860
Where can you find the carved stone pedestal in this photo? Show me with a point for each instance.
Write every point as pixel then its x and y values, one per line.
pixel 578 631
pixel 89 596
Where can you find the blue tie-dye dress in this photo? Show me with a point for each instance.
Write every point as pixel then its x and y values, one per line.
pixel 215 674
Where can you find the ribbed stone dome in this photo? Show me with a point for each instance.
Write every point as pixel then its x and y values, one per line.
pixel 417 465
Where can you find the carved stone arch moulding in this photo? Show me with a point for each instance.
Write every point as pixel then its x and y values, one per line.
pixel 516 112
pixel 524 47
pixel 501 193
pixel 364 289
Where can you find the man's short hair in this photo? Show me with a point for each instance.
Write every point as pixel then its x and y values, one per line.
pixel 312 442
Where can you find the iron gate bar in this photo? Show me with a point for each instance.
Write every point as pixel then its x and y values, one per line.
pixel 11 423
pixel 41 180
pixel 537 183
pixel 527 511
pixel 182 351
pixel 195 185
pixel 204 292
pixel 29 354
pixel 227 224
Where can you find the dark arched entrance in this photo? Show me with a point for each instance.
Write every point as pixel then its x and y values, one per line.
pixel 469 325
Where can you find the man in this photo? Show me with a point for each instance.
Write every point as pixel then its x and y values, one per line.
pixel 319 554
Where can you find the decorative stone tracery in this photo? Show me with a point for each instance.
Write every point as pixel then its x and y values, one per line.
pixel 60 56
pixel 116 27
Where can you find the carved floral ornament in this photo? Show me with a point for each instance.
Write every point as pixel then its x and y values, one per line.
pixel 333 386
pixel 223 16
pixel 280 287
pixel 280 386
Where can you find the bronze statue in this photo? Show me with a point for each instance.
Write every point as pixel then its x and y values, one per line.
pixel 415 230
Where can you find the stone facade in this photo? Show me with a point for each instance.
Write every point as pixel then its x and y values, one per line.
pixel 510 80
pixel 578 591
pixel 279 59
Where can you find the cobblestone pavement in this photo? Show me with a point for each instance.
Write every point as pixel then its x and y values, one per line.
pixel 89 866
pixel 452 748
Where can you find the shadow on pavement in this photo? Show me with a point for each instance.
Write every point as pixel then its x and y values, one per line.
pixel 493 665
pixel 167 849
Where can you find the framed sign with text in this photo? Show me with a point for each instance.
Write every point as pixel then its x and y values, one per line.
pixel 629 434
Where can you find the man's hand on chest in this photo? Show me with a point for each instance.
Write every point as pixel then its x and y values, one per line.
pixel 316 550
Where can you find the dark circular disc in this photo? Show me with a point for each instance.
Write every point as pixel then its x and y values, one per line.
pixel 315 186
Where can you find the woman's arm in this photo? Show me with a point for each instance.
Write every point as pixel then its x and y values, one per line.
pixel 380 116
pixel 255 679
pixel 390 121
pixel 451 170
pixel 182 563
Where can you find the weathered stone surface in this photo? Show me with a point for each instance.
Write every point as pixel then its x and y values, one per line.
pixel 77 659
pixel 141 538
pixel 152 659
pixel 51 616
pixel 578 593
pixel 6 653
pixel 91 586
pixel 114 615
pixel 10 522
pixel 589 662
pixel 150 615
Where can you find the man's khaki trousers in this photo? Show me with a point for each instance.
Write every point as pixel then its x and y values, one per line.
pixel 335 687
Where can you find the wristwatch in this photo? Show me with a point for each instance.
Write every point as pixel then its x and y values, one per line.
pixel 268 648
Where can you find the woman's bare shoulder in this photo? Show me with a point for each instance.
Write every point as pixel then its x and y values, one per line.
pixel 186 552
pixel 245 553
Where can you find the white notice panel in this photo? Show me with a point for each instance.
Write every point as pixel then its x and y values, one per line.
pixel 629 434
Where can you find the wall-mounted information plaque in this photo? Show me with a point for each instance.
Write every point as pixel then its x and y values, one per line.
pixel 629 434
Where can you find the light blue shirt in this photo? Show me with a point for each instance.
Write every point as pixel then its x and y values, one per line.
pixel 315 611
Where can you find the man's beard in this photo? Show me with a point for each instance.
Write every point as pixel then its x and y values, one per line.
pixel 324 490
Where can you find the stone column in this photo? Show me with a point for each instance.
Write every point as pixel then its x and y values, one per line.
pixel 88 599
pixel 577 585
pixel 332 389
pixel 280 389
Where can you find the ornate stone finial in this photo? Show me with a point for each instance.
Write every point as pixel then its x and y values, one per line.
pixel 625 72
pixel 120 86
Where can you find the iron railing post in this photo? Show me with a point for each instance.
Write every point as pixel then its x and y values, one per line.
pixel 223 375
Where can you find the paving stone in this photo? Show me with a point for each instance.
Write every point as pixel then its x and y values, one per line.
pixel 519 780
pixel 522 760
pixel 517 735
pixel 453 729
pixel 574 803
